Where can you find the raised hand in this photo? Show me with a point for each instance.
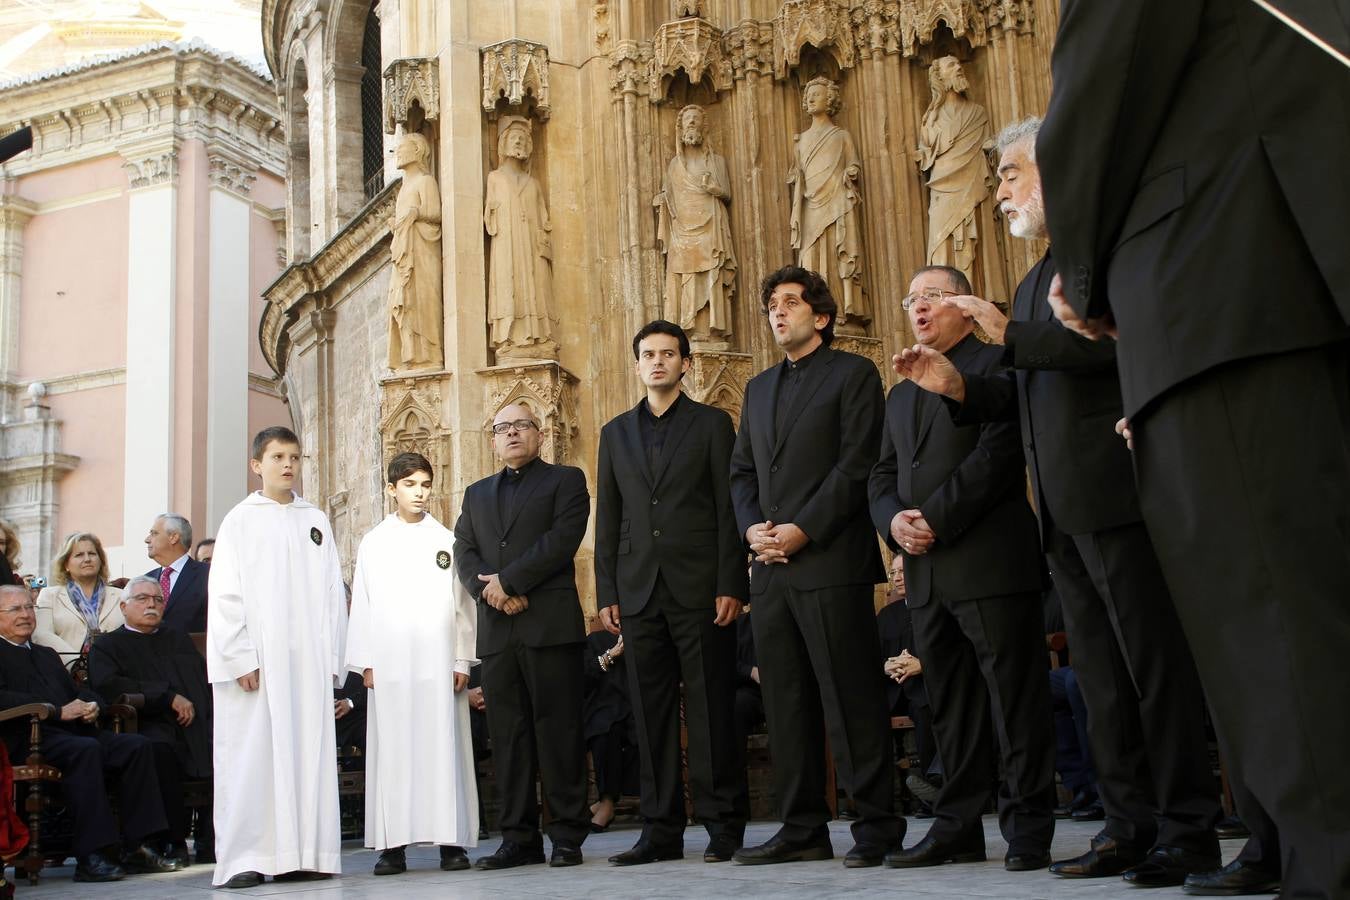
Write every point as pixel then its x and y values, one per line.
pixel 930 370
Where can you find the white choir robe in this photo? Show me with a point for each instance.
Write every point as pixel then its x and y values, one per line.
pixel 276 603
pixel 413 624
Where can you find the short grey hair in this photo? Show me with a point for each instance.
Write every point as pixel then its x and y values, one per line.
pixel 141 579
pixel 1017 132
pixel 176 524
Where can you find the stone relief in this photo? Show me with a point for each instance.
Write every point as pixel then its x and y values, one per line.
pixel 513 70
pixel 951 152
pixel 520 256
pixel 415 251
pixel 694 230
pixel 826 223
pixel 407 82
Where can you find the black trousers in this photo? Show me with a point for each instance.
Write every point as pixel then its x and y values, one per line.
pixel 667 643
pixel 1244 479
pixel 1146 710
pixel 985 665
pixel 818 653
pixel 534 697
pixel 1262 849
pixel 615 761
pixel 83 761
pixel 169 774
pixel 1073 759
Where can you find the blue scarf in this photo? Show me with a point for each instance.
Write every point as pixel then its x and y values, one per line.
pixel 88 606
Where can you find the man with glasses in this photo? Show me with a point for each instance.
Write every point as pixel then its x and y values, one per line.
pixel 162 665
pixel 73 742
pixel 515 540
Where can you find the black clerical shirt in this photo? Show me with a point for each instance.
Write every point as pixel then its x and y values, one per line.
pixel 789 382
pixel 511 481
pixel 656 428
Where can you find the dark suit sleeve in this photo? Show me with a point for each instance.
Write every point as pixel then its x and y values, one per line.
pixel 110 675
pixel 1049 346
pixel 1115 68
pixel 989 398
pixel 469 562
pixel 733 579
pixel 556 547
pixel 844 491
pixel 744 480
pixel 10 697
pixel 982 480
pixel 883 494
pixel 608 514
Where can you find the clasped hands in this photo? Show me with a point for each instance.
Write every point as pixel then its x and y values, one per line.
pixel 82 710
pixel 903 667
pixel 911 531
pixel 774 544
pixel 500 600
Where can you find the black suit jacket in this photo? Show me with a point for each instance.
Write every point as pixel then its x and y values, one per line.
pixel 1197 188
pixel 813 474
pixel 531 552
pixel 37 676
pixel 187 601
pixel 1064 391
pixel 676 521
pixel 969 482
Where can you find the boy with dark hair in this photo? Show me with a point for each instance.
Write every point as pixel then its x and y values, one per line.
pixel 411 637
pixel 276 618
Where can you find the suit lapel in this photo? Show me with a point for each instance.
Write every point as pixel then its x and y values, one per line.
pixel 673 441
pixel 1040 286
pixel 632 434
pixel 929 405
pixel 530 481
pixel 494 504
pixel 812 378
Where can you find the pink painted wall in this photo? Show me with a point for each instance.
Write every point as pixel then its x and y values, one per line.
pixel 94 429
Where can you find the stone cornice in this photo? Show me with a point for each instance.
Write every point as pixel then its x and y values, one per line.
pixel 188 91
pixel 367 233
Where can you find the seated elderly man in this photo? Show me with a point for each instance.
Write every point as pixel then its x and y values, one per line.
pixel 73 742
pixel 163 665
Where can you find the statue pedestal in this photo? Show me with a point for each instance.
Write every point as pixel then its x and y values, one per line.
pixel 718 379
pixel 414 419
pixel 864 346
pixel 548 389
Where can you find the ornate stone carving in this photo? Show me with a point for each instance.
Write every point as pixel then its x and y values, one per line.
pixel 864 346
pixel 415 252
pixel 157 168
pixel 824 24
pixel 411 422
pixel 630 64
pixel 718 379
pixel 876 27
pixel 1018 16
pixel 408 80
pixel 694 230
pixel 903 26
pixel 826 224
pixel 694 45
pixel 602 25
pixel 961 230
pixel 513 70
pixel 547 388
pixel 681 9
pixel 231 173
pixel 749 48
pixel 520 260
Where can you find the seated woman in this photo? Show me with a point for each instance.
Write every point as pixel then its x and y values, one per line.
pixel 611 733
pixel 80 604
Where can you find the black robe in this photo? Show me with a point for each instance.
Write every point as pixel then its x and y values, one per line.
pixel 158 666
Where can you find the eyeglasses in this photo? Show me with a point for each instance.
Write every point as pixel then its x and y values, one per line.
pixel 929 295
pixel 518 425
pixel 147 599
pixel 25 607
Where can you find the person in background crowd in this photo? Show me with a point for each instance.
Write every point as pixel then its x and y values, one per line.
pixel 349 717
pixel 79 604
pixel 9 554
pixel 905 690
pixel 611 732
pixel 205 550
pixel 1073 754
pixel 749 695
pixel 182 579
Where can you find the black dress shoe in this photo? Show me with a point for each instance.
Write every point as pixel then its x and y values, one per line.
pixel 147 860
pixel 1168 867
pixel 302 875
pixel 778 850
pixel 934 852
pixel 722 849
pixel 1233 880
pixel 564 854
pixel 393 861
pixel 644 852
pixel 510 854
pixel 1105 858
pixel 1231 828
pixel 244 880
pixel 1026 862
pixel 95 868
pixel 1093 812
pixel 1081 800
pixel 454 859
pixel 865 856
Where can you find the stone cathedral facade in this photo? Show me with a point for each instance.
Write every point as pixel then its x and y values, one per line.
pixel 579 198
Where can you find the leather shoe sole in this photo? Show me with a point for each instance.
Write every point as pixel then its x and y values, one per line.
pixel 643 854
pixel 747 856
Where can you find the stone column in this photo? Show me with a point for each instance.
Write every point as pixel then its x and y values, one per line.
pixel 14 215
pixel 152 227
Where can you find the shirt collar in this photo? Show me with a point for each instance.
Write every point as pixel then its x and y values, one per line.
pixel 128 627
pixel 791 366
pixel 178 564
pixel 516 474
pixel 670 410
pixel 26 644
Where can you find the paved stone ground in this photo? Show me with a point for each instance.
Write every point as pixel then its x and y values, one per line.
pixel 689 879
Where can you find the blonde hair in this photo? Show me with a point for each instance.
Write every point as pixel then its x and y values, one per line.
pixel 11 543
pixel 59 573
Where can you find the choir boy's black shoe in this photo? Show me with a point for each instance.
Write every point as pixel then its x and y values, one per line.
pixel 510 854
pixel 778 850
pixel 244 880
pixel 644 852
pixel 454 859
pixel 393 861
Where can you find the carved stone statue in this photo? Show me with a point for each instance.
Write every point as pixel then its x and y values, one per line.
pixel 694 229
pixel 951 151
pixel 415 287
pixel 520 268
pixel 686 8
pixel 826 225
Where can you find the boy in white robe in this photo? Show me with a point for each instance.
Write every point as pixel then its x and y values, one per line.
pixel 276 619
pixel 411 636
